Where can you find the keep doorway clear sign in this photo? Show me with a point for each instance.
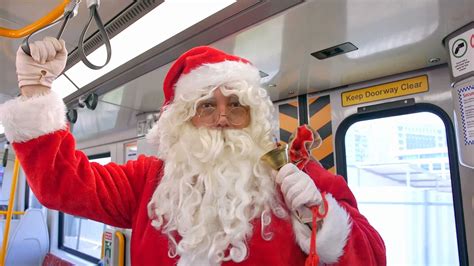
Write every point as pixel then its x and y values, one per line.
pixel 385 91
pixel 466 103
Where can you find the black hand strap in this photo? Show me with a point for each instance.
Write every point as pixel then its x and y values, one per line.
pixel 105 37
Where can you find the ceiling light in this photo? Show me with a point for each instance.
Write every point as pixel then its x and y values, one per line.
pixel 63 86
pixel 168 19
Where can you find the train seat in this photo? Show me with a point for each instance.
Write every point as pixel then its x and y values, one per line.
pixel 29 240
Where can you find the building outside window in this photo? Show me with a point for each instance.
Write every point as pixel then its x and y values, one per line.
pixel 401 187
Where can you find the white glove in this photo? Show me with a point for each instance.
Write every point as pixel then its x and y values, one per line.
pixel 298 188
pixel 47 61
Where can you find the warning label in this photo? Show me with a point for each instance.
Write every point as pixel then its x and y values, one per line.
pixel 466 104
pixel 385 91
pixel 461 50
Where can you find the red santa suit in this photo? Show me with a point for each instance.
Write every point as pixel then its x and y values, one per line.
pixel 62 178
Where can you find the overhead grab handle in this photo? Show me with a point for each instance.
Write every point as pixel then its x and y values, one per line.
pixel 39 24
pixel 94 14
pixel 70 11
pixel 5 154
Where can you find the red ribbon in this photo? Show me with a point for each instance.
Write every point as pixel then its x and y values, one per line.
pixel 313 258
pixel 300 154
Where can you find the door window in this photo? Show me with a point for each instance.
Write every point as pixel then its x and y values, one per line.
pixel 398 169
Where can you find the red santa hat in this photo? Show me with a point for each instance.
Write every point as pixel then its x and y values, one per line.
pixel 205 66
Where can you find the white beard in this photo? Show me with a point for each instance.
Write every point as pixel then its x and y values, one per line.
pixel 213 186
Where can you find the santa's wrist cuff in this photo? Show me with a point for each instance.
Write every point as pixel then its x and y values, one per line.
pixel 39 80
pixel 331 237
pixel 28 118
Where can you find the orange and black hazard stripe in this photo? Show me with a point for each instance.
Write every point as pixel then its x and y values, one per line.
pixel 319 111
pixel 288 117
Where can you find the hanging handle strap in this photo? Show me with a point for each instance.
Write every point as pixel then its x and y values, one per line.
pixel 94 14
pixel 69 12
pixel 5 155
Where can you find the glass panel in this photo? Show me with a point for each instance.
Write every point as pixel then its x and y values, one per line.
pixel 103 119
pixel 394 168
pixel 71 231
pixel 63 86
pixel 33 202
pixel 82 234
pixel 2 173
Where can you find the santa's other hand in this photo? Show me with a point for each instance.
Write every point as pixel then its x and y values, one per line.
pixel 297 187
pixel 47 61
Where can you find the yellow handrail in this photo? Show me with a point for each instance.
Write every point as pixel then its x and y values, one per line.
pixel 102 248
pixel 40 23
pixel 16 170
pixel 14 213
pixel 121 243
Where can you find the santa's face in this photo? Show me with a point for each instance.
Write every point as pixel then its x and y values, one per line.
pixel 221 111
pixel 214 185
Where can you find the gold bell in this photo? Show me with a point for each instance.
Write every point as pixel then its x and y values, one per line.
pixel 277 157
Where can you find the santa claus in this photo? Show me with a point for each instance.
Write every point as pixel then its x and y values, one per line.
pixel 207 198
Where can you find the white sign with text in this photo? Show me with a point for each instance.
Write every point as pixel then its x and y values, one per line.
pixel 461 53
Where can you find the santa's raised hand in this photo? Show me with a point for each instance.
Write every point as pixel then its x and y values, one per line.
pixel 47 61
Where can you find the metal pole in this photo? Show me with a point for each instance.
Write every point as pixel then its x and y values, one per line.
pixel 16 169
pixel 78 233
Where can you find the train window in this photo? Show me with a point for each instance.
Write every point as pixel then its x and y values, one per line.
pixel 32 201
pixel 131 151
pixel 394 168
pixel 79 236
pixel 63 86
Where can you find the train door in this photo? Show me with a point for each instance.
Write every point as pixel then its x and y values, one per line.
pixel 400 160
pixel 399 170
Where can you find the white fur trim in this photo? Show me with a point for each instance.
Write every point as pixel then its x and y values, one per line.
pixel 332 238
pixel 28 118
pixel 216 74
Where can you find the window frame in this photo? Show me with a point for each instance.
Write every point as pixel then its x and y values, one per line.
pixel 61 245
pixel 341 163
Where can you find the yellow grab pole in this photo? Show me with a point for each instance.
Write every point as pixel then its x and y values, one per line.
pixel 40 23
pixel 16 170
pixel 14 213
pixel 102 248
pixel 121 243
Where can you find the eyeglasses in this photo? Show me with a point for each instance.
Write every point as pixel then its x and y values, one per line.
pixel 209 115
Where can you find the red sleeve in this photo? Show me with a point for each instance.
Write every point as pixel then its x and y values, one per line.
pixel 64 179
pixel 364 245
